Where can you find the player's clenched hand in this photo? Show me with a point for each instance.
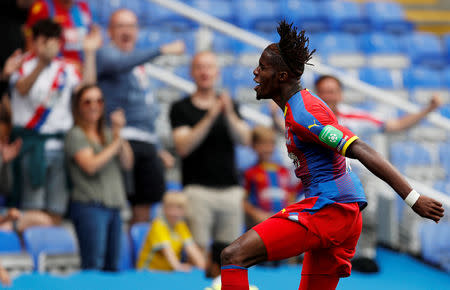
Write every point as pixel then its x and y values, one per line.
pixel 428 208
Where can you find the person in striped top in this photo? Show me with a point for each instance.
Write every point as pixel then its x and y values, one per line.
pixel 41 91
pixel 269 185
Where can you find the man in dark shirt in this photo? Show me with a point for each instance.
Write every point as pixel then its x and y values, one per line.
pixel 206 126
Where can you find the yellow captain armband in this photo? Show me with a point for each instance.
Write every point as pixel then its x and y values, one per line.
pixel 350 141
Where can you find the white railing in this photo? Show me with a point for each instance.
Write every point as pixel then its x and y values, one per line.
pixel 259 42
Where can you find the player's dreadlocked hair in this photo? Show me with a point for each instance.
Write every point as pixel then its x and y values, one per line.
pixel 292 49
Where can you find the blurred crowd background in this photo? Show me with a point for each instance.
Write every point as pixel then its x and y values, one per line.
pixel 104 167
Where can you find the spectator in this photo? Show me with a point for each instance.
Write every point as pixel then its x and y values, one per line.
pixel 95 157
pixel 269 185
pixel 329 88
pixel 125 85
pixel 167 237
pixel 13 14
pixel 41 91
pixel 14 220
pixel 206 126
pixel 74 17
pixel 8 151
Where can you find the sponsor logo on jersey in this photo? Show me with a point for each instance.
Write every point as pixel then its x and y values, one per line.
pixel 313 125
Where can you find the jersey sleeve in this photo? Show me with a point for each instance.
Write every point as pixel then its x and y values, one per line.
pixel 322 128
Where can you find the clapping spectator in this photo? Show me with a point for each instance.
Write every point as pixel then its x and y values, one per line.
pixel 125 84
pixel 206 126
pixel 95 157
pixel 41 91
pixel 168 236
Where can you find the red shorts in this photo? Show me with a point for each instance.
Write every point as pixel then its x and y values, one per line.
pixel 328 237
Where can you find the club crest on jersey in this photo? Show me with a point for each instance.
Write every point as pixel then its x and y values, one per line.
pixel 287 136
pixel 331 136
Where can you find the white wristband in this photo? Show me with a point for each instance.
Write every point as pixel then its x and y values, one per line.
pixel 412 197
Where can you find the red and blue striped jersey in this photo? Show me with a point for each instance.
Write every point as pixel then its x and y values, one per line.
pixel 317 144
pixel 268 186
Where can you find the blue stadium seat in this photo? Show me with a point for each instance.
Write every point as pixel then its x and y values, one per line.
pixel 126 262
pixel 48 240
pixel 445 110
pixel 155 210
pixel 421 77
pixel 9 242
pixel 158 16
pixel 443 186
pixel 184 72
pixel 225 44
pixel 428 234
pixel 335 43
pixel 378 77
pixel 174 186
pixel 104 9
pixel 245 157
pixel 446 77
pixel 222 9
pixel 446 40
pixel 387 16
pixel 236 77
pixel 444 156
pixel 138 233
pixel 152 37
pixel 425 49
pixel 306 14
pixel 261 15
pixel 345 16
pixel 406 153
pixel 377 42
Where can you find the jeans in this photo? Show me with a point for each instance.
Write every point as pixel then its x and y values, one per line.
pixel 99 235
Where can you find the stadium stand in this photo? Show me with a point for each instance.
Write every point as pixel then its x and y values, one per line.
pixel 373 40
pixel 13 258
pixel 126 254
pixel 53 249
pixel 138 233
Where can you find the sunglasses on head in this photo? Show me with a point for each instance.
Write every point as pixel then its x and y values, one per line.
pixel 88 102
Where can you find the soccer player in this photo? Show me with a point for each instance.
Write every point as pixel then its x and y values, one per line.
pixel 327 223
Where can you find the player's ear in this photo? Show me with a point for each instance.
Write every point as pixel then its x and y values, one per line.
pixel 282 76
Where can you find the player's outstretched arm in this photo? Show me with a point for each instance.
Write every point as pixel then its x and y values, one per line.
pixel 424 206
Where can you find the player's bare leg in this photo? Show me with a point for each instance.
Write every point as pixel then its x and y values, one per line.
pixel 244 252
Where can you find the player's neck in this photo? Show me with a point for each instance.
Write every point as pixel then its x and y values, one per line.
pixel 286 94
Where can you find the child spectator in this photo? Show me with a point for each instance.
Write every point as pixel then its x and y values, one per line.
pixel 41 91
pixel 168 237
pixel 269 185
